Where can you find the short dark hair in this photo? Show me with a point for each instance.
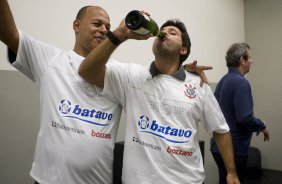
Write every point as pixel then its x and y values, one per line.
pixel 81 13
pixel 185 36
pixel 235 52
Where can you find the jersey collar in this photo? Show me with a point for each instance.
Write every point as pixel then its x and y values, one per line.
pixel 180 74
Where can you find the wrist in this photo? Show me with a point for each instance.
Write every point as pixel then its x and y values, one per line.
pixel 230 168
pixel 113 38
pixel 264 126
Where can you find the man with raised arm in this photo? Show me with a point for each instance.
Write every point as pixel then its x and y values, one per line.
pixel 78 126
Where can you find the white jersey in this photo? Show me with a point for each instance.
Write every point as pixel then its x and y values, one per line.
pixel 78 126
pixel 162 115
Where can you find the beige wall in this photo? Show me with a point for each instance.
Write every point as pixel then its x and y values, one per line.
pixel 212 25
pixel 263 27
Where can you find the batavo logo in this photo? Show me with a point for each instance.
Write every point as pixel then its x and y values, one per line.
pixel 168 133
pixel 75 111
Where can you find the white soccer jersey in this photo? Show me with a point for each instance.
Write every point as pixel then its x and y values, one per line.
pixel 78 126
pixel 162 115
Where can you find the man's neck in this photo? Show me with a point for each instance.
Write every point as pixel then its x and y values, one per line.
pixel 167 67
pixel 80 52
pixel 241 71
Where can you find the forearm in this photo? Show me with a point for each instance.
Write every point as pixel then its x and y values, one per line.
pixel 8 31
pixel 224 144
pixel 93 67
pixel 251 123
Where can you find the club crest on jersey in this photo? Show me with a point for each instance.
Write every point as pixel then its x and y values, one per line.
pixel 75 111
pixel 143 122
pixel 190 90
pixel 166 132
pixel 65 106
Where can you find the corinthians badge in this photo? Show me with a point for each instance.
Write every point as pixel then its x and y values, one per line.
pixel 190 90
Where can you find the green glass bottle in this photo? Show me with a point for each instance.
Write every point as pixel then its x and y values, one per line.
pixel 142 24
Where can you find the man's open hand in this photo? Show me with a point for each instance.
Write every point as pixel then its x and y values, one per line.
pixel 198 70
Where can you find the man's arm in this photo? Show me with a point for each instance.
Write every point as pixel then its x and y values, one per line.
pixel 9 34
pixel 93 67
pixel 224 144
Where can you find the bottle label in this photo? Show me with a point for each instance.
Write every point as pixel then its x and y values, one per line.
pixel 141 31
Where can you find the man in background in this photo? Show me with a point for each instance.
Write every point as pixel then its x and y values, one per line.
pixel 234 95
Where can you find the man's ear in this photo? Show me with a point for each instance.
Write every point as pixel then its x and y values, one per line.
pixel 183 51
pixel 242 61
pixel 75 25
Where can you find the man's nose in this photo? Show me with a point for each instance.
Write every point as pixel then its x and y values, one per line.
pixel 103 28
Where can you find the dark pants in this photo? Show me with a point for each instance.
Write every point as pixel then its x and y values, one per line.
pixel 36 182
pixel 240 163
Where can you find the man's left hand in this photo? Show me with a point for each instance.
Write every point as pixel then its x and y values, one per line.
pixel 198 70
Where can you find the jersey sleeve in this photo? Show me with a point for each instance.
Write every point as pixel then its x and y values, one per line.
pixel 213 118
pixel 116 82
pixel 33 57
